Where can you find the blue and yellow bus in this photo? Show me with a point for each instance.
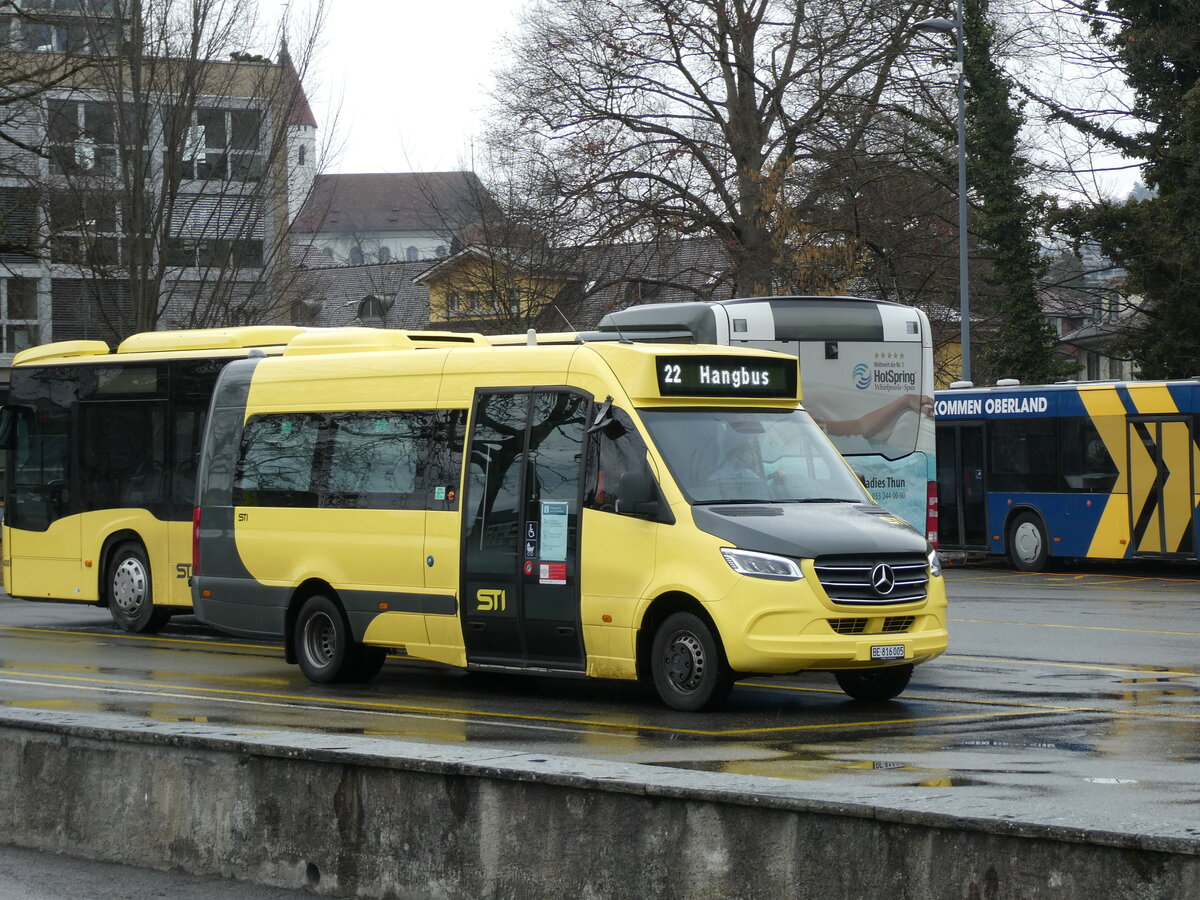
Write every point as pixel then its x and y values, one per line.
pixel 1092 471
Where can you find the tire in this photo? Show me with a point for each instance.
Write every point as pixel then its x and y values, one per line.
pixel 325 649
pixel 130 591
pixel 688 666
pixel 874 685
pixel 1028 546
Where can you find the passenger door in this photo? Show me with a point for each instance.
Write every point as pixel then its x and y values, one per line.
pixel 521 514
pixel 962 501
pixel 1161 485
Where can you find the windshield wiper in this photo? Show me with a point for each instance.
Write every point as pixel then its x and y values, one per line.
pixel 724 502
pixel 824 500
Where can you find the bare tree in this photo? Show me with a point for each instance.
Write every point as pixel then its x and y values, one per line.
pixel 705 116
pixel 535 254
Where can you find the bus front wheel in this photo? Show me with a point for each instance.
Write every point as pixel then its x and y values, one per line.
pixel 875 684
pixel 325 649
pixel 690 672
pixel 131 591
pixel 1028 547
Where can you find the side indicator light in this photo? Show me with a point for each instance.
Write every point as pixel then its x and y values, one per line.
pixel 383 606
pixel 606 618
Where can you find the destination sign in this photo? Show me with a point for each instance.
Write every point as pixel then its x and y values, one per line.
pixel 1019 405
pixel 726 376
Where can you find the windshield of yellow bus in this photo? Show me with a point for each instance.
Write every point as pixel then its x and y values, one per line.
pixel 750 456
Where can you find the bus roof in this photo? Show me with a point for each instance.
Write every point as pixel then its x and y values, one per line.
pixel 645 371
pixel 203 342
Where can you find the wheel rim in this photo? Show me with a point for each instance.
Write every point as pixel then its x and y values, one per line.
pixel 1027 541
pixel 320 639
pixel 685 661
pixel 130 585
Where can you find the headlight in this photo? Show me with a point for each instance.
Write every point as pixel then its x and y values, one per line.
pixel 935 565
pixel 761 565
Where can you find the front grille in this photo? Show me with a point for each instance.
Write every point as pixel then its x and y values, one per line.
pixel 848 626
pixel 897 624
pixel 874 581
pixel 885 625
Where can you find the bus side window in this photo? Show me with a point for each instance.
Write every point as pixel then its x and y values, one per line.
pixel 614 451
pixel 1086 463
pixel 275 467
pixel 374 459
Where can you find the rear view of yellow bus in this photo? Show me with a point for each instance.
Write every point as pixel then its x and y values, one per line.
pixel 607 510
pixel 102 449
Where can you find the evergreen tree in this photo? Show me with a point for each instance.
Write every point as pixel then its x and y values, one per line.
pixel 1156 239
pixel 1018 340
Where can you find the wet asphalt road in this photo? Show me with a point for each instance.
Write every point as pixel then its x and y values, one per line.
pixel 1066 697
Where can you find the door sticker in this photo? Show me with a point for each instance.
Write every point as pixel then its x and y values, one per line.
pixel 554 529
pixel 552 573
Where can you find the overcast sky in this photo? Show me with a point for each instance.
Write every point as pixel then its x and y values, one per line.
pixel 412 79
pixel 408 81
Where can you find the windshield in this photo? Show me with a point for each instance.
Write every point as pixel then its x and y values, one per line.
pixel 751 455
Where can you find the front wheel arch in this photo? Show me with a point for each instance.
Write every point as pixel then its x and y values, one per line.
pixel 660 610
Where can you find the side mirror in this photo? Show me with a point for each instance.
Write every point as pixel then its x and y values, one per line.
pixel 637 495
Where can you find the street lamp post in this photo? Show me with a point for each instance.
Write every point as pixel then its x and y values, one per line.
pixel 964 301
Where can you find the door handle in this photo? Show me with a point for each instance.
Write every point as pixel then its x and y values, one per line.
pixel 477 626
pixel 565 630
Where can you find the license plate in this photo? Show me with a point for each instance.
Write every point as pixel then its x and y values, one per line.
pixel 887 651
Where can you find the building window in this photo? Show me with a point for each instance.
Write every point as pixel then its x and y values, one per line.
pixel 412 254
pixel 356 256
pixel 213 253
pixel 84 228
pixel 440 252
pixel 216 144
pixel 385 254
pixel 302 156
pixel 83 137
pixel 18 298
pixel 18 225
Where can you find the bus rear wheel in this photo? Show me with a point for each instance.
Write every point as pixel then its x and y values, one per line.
pixel 875 684
pixel 689 670
pixel 131 591
pixel 325 648
pixel 1028 547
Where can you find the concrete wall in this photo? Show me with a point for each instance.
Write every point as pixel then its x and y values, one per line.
pixel 356 816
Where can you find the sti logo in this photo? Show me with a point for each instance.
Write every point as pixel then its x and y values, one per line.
pixel 862 376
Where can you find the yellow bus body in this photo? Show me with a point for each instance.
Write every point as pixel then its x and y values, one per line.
pixel 629 568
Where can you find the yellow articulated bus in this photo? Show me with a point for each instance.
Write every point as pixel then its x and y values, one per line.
pixel 598 509
pixel 101 474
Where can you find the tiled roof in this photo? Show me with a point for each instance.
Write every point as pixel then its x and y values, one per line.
pixel 331 296
pixel 400 201
pixel 300 112
pixel 610 277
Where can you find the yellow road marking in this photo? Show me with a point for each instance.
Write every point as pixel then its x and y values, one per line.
pixel 142 637
pixel 1081 627
pixel 1090 667
pixel 1011 708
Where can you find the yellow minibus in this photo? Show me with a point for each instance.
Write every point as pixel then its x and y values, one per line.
pixel 662 512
